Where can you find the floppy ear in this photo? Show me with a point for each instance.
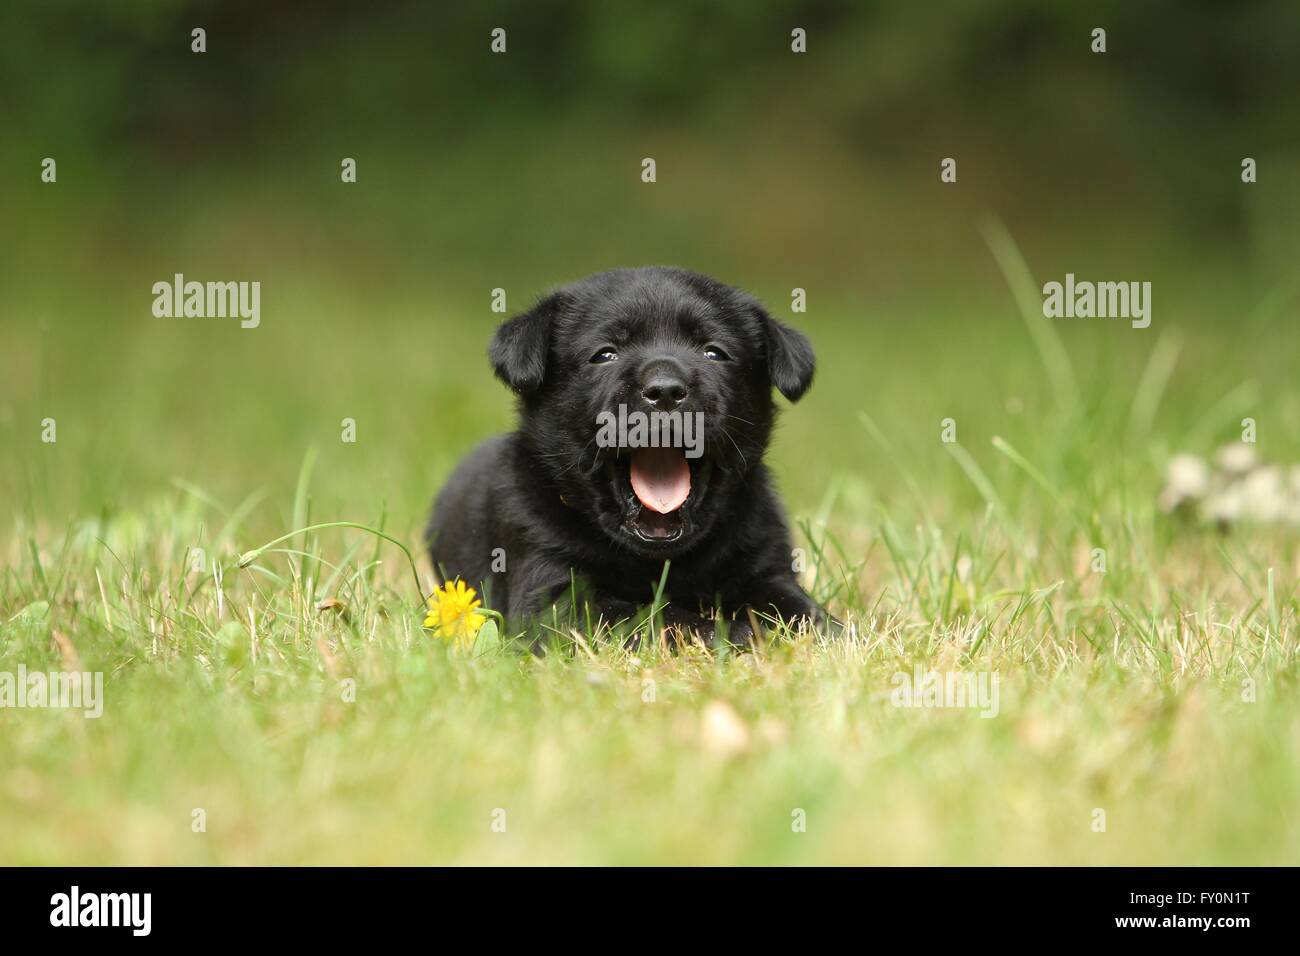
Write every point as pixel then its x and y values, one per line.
pixel 518 350
pixel 790 360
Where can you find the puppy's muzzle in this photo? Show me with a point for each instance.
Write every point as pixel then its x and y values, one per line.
pixel 664 383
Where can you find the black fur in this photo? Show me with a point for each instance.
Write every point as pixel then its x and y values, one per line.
pixel 555 504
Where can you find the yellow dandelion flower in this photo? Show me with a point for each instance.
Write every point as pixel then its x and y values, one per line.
pixel 453 614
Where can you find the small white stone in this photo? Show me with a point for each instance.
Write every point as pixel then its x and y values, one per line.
pixel 1225 506
pixel 1187 477
pixel 721 729
pixel 1263 495
pixel 1236 458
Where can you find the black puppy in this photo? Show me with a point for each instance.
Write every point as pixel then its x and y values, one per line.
pixel 567 496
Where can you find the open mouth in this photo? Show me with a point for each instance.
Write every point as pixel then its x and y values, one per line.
pixel 660 481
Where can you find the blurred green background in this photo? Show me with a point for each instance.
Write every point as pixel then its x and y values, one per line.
pixel 522 171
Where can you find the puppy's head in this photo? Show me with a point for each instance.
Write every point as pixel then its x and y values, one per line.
pixel 646 397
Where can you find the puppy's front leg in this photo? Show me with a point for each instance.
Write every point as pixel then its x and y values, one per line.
pixel 542 591
pixel 789 602
pixel 614 610
pixel 534 586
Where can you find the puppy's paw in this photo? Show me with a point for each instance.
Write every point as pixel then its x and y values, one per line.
pixel 740 630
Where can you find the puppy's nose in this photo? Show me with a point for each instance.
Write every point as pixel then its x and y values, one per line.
pixel 663 384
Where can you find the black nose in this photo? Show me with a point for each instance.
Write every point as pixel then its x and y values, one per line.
pixel 663 384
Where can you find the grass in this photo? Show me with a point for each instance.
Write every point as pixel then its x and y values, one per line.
pixel 1162 691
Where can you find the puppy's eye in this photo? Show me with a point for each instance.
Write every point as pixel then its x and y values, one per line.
pixel 715 354
pixel 603 356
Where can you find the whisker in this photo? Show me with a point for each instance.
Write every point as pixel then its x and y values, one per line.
pixel 744 462
pixel 578 460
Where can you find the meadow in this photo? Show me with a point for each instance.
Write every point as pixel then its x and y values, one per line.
pixel 974 486
pixel 293 711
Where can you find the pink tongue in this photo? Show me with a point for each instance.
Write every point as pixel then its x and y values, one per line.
pixel 661 478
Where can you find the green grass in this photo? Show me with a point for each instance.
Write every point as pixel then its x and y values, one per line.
pixel 226 690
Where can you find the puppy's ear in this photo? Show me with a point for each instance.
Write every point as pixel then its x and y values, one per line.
pixel 790 359
pixel 518 350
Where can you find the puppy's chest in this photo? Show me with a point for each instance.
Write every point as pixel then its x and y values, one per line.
pixel 689 577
